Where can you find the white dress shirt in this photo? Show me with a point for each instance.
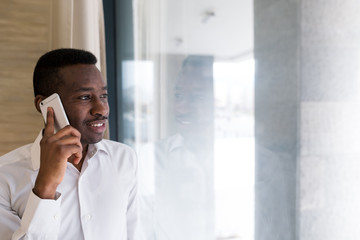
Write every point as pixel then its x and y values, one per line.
pixel 97 203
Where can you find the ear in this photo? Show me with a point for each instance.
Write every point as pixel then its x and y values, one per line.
pixel 37 101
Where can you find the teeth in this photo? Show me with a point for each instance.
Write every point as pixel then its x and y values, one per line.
pixel 185 122
pixel 97 124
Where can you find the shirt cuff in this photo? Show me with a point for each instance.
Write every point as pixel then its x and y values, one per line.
pixel 41 216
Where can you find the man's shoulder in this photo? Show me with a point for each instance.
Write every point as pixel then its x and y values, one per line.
pixel 15 156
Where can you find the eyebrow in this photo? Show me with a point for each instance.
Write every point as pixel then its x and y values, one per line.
pixel 85 89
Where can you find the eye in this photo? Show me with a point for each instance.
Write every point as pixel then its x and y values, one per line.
pixel 104 96
pixel 84 97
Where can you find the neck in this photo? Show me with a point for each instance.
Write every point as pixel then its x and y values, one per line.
pixel 84 151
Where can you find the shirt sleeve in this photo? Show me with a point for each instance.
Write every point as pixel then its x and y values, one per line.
pixel 41 219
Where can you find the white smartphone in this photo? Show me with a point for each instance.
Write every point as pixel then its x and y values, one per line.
pixel 54 101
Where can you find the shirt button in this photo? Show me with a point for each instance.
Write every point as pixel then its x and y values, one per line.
pixel 56 217
pixel 87 217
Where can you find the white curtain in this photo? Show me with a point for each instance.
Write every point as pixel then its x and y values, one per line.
pixel 79 24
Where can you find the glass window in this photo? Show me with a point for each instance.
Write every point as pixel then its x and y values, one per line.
pixel 187 107
pixel 186 103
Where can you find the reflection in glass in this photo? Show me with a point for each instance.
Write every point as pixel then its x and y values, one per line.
pixel 179 194
pixel 198 182
pixel 188 101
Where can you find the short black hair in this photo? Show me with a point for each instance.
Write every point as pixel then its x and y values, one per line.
pixel 46 78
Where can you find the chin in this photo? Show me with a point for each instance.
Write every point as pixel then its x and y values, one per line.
pixel 92 140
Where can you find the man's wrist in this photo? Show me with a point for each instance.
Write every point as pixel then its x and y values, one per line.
pixel 44 191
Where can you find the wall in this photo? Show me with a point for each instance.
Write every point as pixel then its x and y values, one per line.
pixel 24 29
pixel 328 162
pixel 307 103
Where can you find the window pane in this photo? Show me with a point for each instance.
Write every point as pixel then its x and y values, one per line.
pixel 188 111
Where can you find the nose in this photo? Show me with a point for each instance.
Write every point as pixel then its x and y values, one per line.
pixel 100 107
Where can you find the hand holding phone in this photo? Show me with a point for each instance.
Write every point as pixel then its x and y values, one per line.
pixel 60 116
pixel 56 150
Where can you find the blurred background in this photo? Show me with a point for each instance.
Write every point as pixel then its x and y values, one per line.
pixel 244 114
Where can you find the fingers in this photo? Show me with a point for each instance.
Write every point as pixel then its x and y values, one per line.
pixel 64 133
pixel 49 126
pixel 66 140
pixel 75 158
pixel 56 149
pixel 73 151
pixel 68 130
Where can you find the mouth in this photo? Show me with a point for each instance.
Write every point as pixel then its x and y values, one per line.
pixel 97 126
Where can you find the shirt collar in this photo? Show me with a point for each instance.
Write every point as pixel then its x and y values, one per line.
pixel 176 141
pixel 94 148
pixel 35 151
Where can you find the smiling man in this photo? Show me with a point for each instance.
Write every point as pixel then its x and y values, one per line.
pixel 72 184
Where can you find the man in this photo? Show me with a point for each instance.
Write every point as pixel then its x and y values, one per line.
pixel 72 184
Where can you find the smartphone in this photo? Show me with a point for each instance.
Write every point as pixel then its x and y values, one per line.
pixel 54 101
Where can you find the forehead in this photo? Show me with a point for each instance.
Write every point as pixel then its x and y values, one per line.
pixel 81 75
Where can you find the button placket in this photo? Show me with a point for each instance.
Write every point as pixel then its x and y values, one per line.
pixel 85 209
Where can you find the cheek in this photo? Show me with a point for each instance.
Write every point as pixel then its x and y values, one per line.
pixel 76 116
